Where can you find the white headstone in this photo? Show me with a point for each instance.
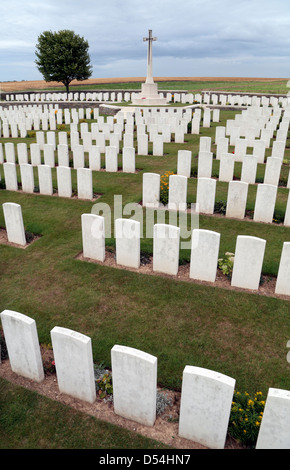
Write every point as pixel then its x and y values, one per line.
pixel 265 203
pixel 22 153
pixel 166 244
pixel 272 171
pixel 142 144
pixel 50 139
pixel 204 255
pixel 283 277
pixel 275 425
pixel 63 155
pixel 151 190
pixel 111 159
pixel 287 212
pixel 128 159
pixel 204 169
pixel 278 149
pixel 10 176
pixel 64 181
pixel 95 158
pixel 40 139
pixel 227 164
pixel 248 262
pixel 27 178
pixel 93 236
pixel 14 223
pixel 10 152
pixel 177 196
pixel 249 169
pixel 48 153
pixel 35 154
pixel 222 147
pixel 134 375
pixel 85 183
pixel 127 234
pixel 237 199
pixel 158 145
pixel 184 163
pixel 205 195
pixel 195 126
pixel 206 117
pixel 205 144
pixel 240 149
pixel 78 157
pixel 220 131
pixel 128 140
pixel 198 422
pixel 74 363
pixel 22 345
pixel 45 180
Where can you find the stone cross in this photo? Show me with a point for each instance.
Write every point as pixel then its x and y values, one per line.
pixel 149 78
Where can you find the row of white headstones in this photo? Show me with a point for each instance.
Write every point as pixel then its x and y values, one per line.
pixel 134 380
pixel 204 244
pixel 222 99
pixel 206 185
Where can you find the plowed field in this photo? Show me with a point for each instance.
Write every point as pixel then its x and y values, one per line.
pixel 42 85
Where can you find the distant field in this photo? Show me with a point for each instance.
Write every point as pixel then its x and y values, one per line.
pixel 192 84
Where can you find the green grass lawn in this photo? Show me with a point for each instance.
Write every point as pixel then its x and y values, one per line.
pixel 61 427
pixel 243 335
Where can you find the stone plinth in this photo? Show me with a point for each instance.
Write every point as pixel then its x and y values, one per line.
pixel 149 96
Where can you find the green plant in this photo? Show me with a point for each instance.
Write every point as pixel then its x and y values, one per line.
pixel 164 187
pixel 48 359
pixel 31 134
pixel 61 127
pixel 162 402
pixel 193 173
pixel 103 380
pixel 220 207
pixel 226 264
pixel 246 416
pixel 29 236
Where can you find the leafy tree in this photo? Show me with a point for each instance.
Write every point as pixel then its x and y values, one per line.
pixel 62 57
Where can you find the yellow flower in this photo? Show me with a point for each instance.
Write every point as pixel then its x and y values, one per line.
pixel 250 402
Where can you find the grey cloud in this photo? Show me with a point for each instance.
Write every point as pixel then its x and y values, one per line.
pixel 191 30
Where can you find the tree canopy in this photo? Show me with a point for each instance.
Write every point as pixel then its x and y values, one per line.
pixel 63 56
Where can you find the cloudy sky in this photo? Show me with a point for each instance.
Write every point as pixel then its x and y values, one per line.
pixel 196 38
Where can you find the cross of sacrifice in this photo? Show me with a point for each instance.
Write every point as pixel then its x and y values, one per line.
pixel 149 78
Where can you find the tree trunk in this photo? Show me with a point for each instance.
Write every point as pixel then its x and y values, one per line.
pixel 66 84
